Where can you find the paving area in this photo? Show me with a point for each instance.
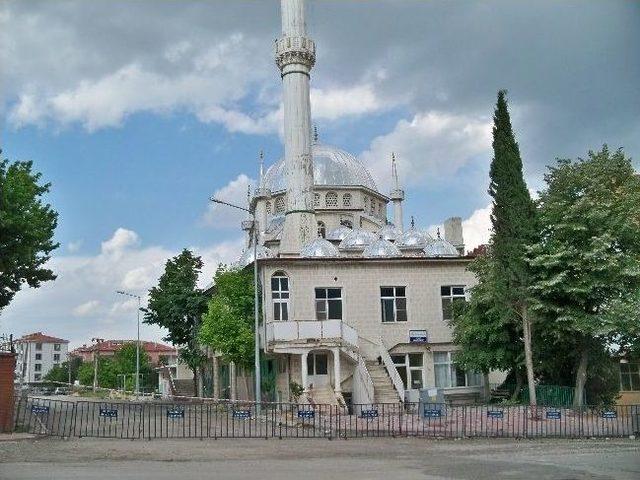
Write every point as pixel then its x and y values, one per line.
pixel 311 459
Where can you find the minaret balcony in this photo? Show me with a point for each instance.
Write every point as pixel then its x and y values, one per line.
pixel 291 49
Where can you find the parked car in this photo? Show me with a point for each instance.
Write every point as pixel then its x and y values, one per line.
pixel 47 391
pixel 61 391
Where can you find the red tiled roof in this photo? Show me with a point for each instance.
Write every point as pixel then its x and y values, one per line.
pixel 39 337
pixel 113 345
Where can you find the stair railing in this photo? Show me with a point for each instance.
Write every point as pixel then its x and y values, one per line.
pixel 391 370
pixel 363 388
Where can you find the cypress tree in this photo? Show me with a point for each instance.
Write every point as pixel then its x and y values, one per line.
pixel 513 218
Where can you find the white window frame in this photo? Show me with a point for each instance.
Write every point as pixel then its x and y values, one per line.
pixel 406 365
pixel 630 374
pixel 452 297
pixel 326 301
pixel 280 297
pixel 451 372
pixel 395 298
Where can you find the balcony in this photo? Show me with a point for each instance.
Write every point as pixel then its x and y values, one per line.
pixel 329 333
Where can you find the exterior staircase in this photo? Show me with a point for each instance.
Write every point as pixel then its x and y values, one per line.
pixel 183 388
pixel 324 396
pixel 383 389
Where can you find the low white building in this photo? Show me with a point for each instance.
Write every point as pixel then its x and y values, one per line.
pixel 38 354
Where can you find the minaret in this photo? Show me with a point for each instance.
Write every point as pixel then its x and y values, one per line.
pixel 260 198
pixel 295 56
pixel 397 195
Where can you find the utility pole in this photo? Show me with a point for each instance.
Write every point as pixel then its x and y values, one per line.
pixel 96 341
pixel 133 295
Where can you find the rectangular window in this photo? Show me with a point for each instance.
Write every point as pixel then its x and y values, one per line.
pixel 451 294
pixel 37 377
pixel 38 346
pixel 280 296
pixel 38 356
pixel 56 357
pixel 56 347
pixel 630 377
pixel 38 367
pixel 328 304
pixel 410 369
pixel 394 304
pixel 448 374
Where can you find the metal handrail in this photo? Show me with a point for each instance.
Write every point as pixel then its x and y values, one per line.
pixel 391 369
pixel 365 378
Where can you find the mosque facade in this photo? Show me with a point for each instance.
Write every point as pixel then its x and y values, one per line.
pixel 355 299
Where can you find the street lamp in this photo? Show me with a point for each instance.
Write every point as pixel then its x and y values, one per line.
pixel 133 295
pixel 255 298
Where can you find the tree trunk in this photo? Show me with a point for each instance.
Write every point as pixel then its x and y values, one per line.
pixel 518 388
pixel 528 355
pixel 581 376
pixel 200 381
pixel 487 387
pixel 195 380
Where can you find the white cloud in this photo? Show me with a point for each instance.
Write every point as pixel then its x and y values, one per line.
pixel 223 216
pixel 74 247
pixel 61 307
pixel 339 102
pixel 121 239
pixel 430 145
pixel 86 308
pixel 477 228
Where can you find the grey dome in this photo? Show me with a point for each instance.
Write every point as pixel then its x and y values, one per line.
pixel 389 232
pixel 358 239
pixel 339 234
pixel 331 166
pixel 440 248
pixel 381 248
pixel 247 256
pixel 319 247
pixel 413 238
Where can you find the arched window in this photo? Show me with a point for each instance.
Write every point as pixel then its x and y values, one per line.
pixel 316 199
pixel 280 296
pixel 268 208
pixel 373 207
pixel 322 230
pixel 346 200
pixel 331 199
pixel 280 204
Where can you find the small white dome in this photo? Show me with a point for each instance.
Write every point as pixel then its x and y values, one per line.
pixel 413 238
pixel 389 232
pixel 247 256
pixel 339 234
pixel 381 248
pixel 358 239
pixel 319 247
pixel 440 248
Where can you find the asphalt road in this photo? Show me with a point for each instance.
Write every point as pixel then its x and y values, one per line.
pixel 396 459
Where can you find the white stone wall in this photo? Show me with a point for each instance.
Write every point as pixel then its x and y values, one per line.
pixel 27 359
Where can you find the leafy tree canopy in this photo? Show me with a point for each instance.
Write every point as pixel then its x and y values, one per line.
pixel 228 324
pixel 27 225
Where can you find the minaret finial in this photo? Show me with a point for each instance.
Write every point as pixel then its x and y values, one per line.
pixel 394 171
pixel 438 232
pixel 249 194
pixel 413 222
pixel 315 133
pixel 261 167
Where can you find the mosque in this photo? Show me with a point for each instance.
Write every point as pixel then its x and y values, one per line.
pixel 355 301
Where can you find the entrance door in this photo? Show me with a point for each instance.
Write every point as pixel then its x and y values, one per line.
pixel 317 369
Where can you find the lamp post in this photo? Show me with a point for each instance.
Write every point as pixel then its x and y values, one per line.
pixel 256 345
pixel 133 295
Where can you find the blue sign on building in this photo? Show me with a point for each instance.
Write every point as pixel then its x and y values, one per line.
pixel 418 336
pixel 109 412
pixel 495 414
pixel 39 409
pixel 306 414
pixel 609 414
pixel 432 413
pixel 245 414
pixel 175 413
pixel 373 413
pixel 553 414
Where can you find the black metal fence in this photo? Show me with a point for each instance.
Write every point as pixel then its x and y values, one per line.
pixel 207 419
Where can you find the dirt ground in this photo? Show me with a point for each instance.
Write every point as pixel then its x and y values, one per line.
pixel 383 458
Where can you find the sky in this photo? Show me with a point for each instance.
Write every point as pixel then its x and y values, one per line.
pixel 138 111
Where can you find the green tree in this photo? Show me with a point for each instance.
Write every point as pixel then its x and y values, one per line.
pixel 485 330
pixel 107 373
pixel 61 373
pixel 177 304
pixel 27 225
pixel 227 325
pixel 586 262
pixel 124 363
